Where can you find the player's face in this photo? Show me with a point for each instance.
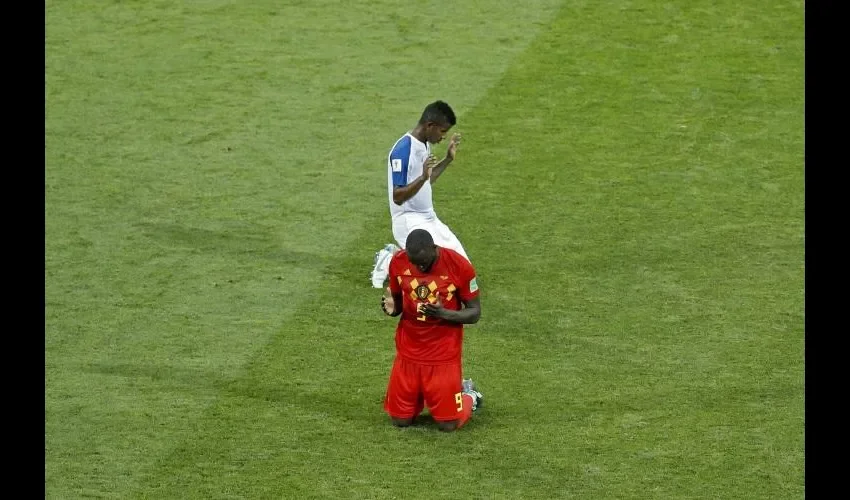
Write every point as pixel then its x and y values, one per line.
pixel 424 258
pixel 437 132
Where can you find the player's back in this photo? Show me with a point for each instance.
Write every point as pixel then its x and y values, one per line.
pixel 405 164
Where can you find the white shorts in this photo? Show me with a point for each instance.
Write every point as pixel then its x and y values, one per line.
pixel 443 236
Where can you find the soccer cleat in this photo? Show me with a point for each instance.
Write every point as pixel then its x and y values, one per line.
pixel 469 388
pixel 467 385
pixel 382 265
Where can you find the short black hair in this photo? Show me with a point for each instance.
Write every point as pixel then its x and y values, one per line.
pixel 417 240
pixel 438 112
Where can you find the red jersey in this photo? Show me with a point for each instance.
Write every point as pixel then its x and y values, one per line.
pixel 419 338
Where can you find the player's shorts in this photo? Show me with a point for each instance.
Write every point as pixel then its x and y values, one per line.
pixel 413 386
pixel 405 223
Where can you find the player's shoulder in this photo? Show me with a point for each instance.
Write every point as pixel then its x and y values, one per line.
pixel 402 143
pixel 456 261
pixel 400 256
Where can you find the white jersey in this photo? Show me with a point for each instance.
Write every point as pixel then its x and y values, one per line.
pixel 404 164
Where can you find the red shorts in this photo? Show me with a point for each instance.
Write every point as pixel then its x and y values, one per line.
pixel 413 386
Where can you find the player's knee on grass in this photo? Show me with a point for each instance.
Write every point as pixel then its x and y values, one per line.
pixel 402 422
pixel 449 425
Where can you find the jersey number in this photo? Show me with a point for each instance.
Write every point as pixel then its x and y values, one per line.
pixel 459 401
pixel 419 310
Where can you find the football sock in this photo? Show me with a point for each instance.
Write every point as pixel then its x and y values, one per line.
pixel 466 412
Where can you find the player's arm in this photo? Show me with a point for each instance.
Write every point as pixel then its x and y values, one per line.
pixel 450 156
pixel 467 293
pixel 402 193
pixel 438 169
pixel 391 302
pixel 470 313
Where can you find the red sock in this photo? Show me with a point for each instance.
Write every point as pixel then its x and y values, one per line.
pixel 466 412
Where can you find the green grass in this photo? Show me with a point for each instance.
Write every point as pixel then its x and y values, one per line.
pixel 630 189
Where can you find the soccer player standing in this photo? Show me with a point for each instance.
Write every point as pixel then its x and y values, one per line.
pixel 435 292
pixel 411 171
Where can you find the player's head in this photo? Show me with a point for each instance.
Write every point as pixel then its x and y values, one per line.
pixel 421 250
pixel 436 120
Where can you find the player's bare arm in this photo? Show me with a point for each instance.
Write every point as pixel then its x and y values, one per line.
pixel 404 193
pixel 450 157
pixel 470 313
pixel 391 304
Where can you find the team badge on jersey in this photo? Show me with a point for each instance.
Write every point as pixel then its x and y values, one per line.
pixel 422 292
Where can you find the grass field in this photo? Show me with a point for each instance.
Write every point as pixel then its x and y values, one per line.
pixel 630 189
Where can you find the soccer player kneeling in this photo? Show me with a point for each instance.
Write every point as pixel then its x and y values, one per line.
pixel 435 292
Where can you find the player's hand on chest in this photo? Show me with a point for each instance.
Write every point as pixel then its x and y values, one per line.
pixel 434 290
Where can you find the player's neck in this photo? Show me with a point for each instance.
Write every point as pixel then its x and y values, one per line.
pixel 436 260
pixel 419 134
